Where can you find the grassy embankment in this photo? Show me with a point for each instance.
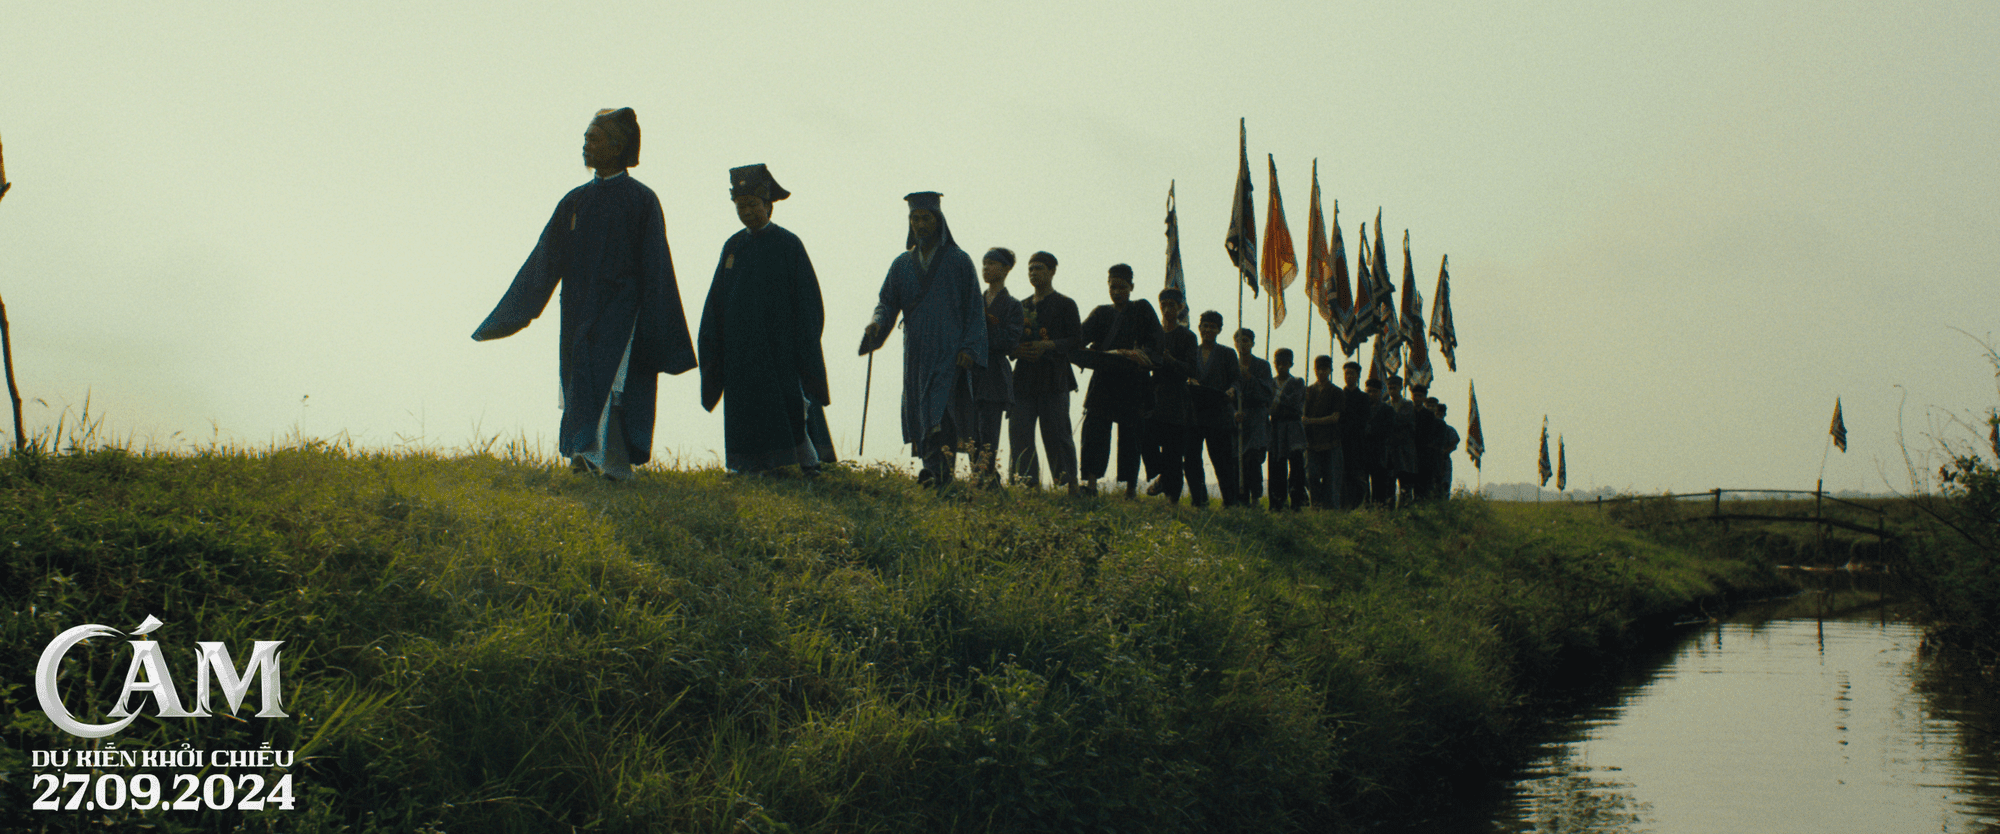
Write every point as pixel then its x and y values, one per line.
pixel 477 644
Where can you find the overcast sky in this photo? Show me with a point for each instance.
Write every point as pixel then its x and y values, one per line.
pixel 1679 230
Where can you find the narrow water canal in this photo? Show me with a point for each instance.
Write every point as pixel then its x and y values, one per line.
pixel 1820 714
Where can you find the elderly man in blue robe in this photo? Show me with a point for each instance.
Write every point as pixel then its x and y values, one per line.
pixel 760 332
pixel 622 323
pixel 934 288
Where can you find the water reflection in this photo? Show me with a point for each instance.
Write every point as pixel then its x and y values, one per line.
pixel 1823 713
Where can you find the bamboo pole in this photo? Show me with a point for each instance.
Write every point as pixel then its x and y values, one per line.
pixel 13 391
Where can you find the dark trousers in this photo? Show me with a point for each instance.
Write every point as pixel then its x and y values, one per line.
pixel 1169 458
pixel 1097 425
pixel 1324 477
pixel 1221 443
pixel 1288 480
pixel 1381 487
pixel 1052 411
pixel 1353 477
pixel 1250 481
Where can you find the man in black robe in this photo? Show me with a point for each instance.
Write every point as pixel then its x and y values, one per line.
pixel 622 322
pixel 1166 452
pixel 1254 394
pixel 1213 423
pixel 760 334
pixel 1051 328
pixel 993 384
pixel 1117 337
pixel 1357 453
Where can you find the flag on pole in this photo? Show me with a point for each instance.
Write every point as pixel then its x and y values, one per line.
pixel 1412 324
pixel 1319 271
pixel 1542 466
pixel 1442 328
pixel 1385 289
pixel 1388 359
pixel 1281 262
pixel 1341 304
pixel 1176 277
pixel 1475 439
pixel 1562 465
pixel 1241 242
pixel 1367 319
pixel 1839 427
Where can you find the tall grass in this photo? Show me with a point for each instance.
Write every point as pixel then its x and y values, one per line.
pixel 483 642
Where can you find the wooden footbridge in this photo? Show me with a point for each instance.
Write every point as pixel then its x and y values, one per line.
pixel 1818 516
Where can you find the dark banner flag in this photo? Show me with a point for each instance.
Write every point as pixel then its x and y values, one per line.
pixel 1542 466
pixel 1367 319
pixel 1281 262
pixel 1839 427
pixel 1341 305
pixel 1176 277
pixel 1442 328
pixel 1562 465
pixel 1475 439
pixel 1385 290
pixel 1241 242
pixel 1412 323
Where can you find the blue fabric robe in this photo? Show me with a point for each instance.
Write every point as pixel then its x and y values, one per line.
pixel 760 349
pixel 949 319
pixel 607 246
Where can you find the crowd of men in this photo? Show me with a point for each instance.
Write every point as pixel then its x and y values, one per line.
pixel 973 361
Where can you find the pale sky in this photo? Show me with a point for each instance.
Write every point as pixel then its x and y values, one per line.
pixel 1679 230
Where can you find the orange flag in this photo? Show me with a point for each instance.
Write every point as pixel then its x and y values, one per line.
pixel 1280 265
pixel 1319 265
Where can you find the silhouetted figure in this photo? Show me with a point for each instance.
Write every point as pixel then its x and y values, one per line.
pixel 622 322
pixel 760 338
pixel 1117 337
pixel 993 384
pixel 1051 328
pixel 933 288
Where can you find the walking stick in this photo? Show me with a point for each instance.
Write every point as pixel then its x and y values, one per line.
pixel 867 384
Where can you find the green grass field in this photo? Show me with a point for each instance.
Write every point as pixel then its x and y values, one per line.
pixel 485 644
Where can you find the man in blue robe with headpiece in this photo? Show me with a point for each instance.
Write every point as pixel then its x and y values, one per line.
pixel 933 286
pixel 760 331
pixel 622 322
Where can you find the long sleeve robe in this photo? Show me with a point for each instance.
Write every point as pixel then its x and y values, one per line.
pixel 606 245
pixel 939 323
pixel 760 349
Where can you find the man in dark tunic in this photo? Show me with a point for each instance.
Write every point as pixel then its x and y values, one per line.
pixel 760 336
pixel 1216 375
pixel 1401 451
pixel 1166 451
pixel 933 287
pixel 1381 428
pixel 1253 415
pixel 1051 328
pixel 1117 337
pixel 622 323
pixel 1325 457
pixel 993 385
pixel 1356 450
pixel 1423 433
pixel 1288 435
pixel 1445 442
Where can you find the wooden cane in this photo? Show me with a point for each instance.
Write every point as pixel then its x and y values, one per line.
pixel 867 385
